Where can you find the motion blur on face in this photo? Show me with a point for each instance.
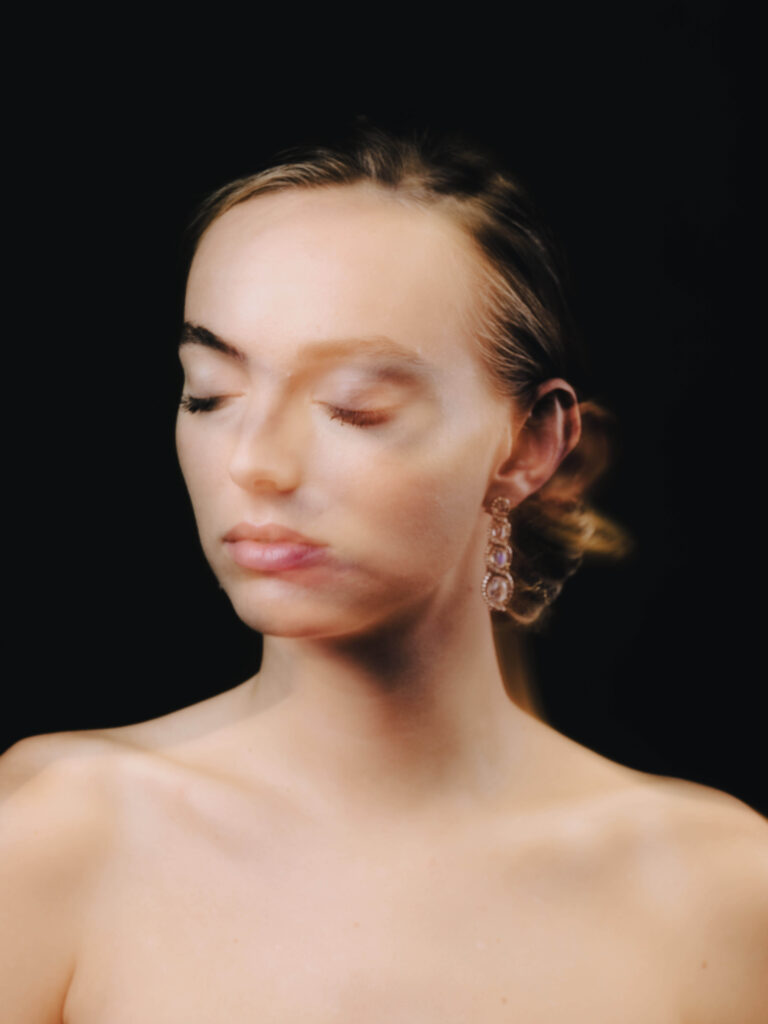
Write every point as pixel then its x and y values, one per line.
pixel 360 415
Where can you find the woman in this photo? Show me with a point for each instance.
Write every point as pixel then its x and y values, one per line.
pixel 386 461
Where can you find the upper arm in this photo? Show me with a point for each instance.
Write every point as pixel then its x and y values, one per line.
pixel 49 836
pixel 728 927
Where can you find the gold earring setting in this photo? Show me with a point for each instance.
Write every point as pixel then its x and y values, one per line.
pixel 498 583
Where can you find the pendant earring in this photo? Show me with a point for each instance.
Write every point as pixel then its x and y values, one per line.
pixel 498 583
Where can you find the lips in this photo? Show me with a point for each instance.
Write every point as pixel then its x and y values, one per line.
pixel 269 533
pixel 271 547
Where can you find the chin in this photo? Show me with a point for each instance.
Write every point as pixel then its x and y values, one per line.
pixel 295 618
pixel 314 609
pixel 308 618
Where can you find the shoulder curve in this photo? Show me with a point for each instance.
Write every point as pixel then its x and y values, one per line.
pixel 43 756
pixel 63 785
pixel 704 810
pixel 54 786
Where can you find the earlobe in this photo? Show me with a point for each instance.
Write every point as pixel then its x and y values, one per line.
pixel 550 431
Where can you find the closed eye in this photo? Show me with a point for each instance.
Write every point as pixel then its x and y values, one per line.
pixel 358 417
pixel 194 404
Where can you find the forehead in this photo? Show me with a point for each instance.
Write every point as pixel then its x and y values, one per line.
pixel 335 262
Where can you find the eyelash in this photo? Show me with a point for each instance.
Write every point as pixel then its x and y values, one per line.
pixel 192 404
pixel 356 417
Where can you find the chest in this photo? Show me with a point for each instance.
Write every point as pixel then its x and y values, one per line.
pixel 286 926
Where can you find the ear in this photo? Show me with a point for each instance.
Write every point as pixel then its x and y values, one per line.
pixel 550 431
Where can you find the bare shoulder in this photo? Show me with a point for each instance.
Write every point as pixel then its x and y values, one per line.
pixel 68 804
pixel 692 862
pixel 708 841
pixel 54 818
pixel 710 859
pixel 714 831
pixel 76 770
pixel 56 800
pixel 72 767
pixel 38 773
pixel 691 810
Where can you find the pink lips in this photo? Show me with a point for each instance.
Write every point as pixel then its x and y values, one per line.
pixel 271 547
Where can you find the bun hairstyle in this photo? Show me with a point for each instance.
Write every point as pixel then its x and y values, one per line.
pixel 524 330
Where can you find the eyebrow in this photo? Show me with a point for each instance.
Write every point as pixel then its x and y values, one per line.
pixel 377 345
pixel 193 334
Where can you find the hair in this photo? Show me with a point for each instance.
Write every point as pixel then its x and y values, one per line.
pixel 525 331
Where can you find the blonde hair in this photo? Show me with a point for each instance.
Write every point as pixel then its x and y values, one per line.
pixel 525 331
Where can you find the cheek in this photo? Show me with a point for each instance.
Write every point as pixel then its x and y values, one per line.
pixel 418 509
pixel 202 468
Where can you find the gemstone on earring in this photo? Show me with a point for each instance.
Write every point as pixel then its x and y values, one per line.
pixel 498 557
pixel 500 530
pixel 497 590
pixel 500 506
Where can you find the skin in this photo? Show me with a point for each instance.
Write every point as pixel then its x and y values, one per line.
pixel 376 693
pixel 369 828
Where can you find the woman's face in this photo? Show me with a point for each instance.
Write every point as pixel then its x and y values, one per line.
pixel 330 303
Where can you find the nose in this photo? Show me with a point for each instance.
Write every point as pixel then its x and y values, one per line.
pixel 267 453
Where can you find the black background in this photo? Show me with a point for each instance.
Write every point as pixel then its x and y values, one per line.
pixel 630 141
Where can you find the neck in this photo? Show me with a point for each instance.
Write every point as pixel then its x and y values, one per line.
pixel 418 711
